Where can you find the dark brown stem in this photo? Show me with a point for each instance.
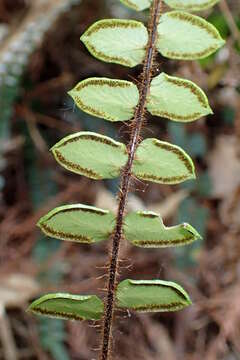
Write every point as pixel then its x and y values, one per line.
pixel 126 177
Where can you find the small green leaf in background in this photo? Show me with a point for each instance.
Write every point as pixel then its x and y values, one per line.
pixel 187 37
pixel 197 144
pixel 113 100
pixel 52 336
pixel 202 186
pixel 79 223
pixel 117 41
pixel 146 229
pixel 194 143
pixel 198 215
pixel 191 5
pixel 229 115
pixel 93 155
pixel 177 99
pixel 138 5
pixel 162 162
pixel 151 296
pixel 68 307
pixel 177 134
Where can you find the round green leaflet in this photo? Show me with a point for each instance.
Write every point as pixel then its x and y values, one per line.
pixel 146 229
pixel 110 99
pixel 177 99
pixel 162 162
pixel 117 41
pixel 79 223
pixel 90 154
pixel 185 36
pixel 151 296
pixel 68 306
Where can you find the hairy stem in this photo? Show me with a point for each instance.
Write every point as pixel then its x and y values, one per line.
pixel 126 177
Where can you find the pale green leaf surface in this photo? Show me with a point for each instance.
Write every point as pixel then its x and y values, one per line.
pixel 68 307
pixel 185 36
pixel 176 99
pixel 79 223
pixel 191 5
pixel 151 296
pixel 93 155
pixel 117 41
pixel 163 163
pixel 137 4
pixel 110 99
pixel 146 229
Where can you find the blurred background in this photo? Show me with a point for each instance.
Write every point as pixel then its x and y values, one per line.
pixel 41 58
